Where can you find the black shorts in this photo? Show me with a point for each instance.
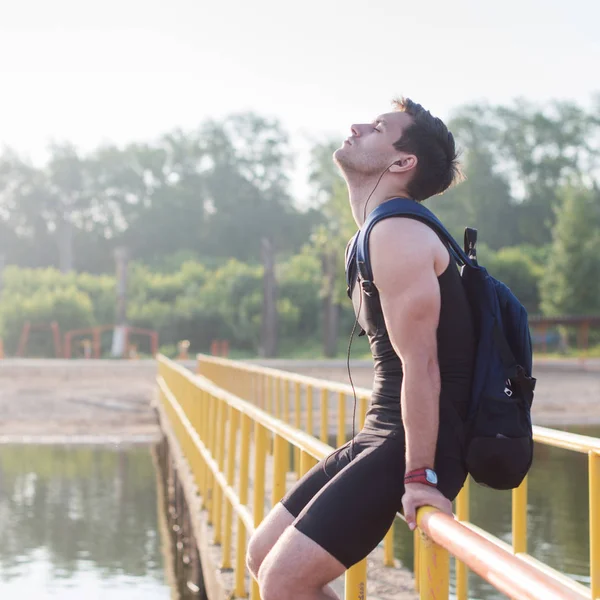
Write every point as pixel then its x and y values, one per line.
pixel 347 506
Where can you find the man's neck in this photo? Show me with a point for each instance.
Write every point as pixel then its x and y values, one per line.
pixel 363 200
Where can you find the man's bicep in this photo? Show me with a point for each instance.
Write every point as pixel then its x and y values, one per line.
pixel 404 274
pixel 411 313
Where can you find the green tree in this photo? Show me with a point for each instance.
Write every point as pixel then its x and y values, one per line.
pixel 483 200
pixel 571 283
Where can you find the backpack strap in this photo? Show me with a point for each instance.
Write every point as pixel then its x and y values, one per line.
pixel 350 260
pixel 403 207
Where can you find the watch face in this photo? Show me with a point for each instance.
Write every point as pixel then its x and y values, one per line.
pixel 431 476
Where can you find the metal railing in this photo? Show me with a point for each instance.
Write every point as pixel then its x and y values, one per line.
pixel 290 397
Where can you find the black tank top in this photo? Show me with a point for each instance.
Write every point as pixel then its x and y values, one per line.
pixel 456 352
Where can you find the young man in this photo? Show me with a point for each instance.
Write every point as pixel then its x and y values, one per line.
pixel 410 451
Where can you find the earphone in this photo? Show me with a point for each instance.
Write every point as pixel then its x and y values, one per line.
pixel 399 163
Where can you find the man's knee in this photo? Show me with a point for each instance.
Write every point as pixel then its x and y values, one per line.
pixel 256 553
pixel 274 585
pixel 265 537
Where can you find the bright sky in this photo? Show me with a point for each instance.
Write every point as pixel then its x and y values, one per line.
pixel 124 70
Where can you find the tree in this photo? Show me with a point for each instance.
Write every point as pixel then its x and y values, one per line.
pixel 571 284
pixel 483 200
pixel 536 150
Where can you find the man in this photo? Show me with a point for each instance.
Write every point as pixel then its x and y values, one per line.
pixel 409 453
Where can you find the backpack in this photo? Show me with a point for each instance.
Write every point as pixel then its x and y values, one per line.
pixel 498 430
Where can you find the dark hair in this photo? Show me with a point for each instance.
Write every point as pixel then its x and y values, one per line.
pixel 430 141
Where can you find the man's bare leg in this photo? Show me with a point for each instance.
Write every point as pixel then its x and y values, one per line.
pixel 266 536
pixel 297 567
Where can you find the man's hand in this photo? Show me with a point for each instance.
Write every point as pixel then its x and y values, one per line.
pixel 419 494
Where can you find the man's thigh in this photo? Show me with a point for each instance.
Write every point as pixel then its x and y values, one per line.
pixel 308 486
pixel 353 511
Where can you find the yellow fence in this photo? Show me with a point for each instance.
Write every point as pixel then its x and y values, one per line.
pixel 293 398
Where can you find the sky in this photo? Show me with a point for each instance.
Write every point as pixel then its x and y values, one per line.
pixel 128 70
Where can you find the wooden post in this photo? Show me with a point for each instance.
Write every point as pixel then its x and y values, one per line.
pixel 119 348
pixel 269 311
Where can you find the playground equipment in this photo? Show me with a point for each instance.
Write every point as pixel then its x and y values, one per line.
pixel 96 343
pixel 220 348
pixel 28 327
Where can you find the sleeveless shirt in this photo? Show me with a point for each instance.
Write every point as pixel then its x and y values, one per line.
pixel 456 353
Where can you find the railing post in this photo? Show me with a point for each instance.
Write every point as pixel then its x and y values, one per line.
pixel 355 587
pixel 220 458
pixel 210 435
pixel 307 462
pixel 594 485
pixel 228 524
pixel 324 416
pixel 269 395
pixel 519 518
pixel 203 399
pixel 258 503
pixel 434 569
pixel 388 547
pixel 286 400
pixel 279 469
pixel 277 385
pixel 341 433
pixel 417 558
pixel 362 412
pixel 463 514
pixel 240 556
pixel 309 409
pixel 297 422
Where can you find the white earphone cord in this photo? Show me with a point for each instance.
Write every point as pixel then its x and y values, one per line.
pixel 356 325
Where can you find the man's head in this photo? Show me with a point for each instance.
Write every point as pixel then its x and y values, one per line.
pixel 415 147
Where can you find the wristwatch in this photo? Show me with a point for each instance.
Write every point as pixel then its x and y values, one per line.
pixel 425 476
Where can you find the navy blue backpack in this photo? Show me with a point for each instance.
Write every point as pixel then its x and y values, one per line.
pixel 499 439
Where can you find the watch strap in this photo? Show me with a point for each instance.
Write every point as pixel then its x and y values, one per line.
pixel 419 476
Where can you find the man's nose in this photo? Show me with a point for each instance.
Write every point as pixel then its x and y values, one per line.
pixel 355 129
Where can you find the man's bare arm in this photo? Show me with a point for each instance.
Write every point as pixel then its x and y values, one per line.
pixel 402 258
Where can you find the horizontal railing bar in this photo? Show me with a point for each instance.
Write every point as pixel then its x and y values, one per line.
pixel 507 573
pixel 542 435
pixel 568 441
pixel 242 511
pixel 316 448
pixel 332 386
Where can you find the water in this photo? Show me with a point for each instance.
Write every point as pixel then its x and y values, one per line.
pixel 79 522
pixel 558 517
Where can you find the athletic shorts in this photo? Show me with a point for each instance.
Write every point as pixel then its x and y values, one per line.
pixel 347 506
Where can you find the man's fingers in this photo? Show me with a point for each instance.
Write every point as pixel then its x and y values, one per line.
pixel 409 514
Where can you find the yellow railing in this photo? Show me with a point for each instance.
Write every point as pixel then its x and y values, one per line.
pixel 290 397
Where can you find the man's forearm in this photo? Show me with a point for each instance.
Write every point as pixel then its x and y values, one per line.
pixel 420 399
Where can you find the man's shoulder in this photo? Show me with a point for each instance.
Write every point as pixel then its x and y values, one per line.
pixel 403 232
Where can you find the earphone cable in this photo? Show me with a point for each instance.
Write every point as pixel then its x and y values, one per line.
pixel 356 325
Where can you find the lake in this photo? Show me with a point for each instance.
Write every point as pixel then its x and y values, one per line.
pixel 84 522
pixel 80 522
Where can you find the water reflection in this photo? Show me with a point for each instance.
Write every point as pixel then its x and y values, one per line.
pixel 79 522
pixel 558 517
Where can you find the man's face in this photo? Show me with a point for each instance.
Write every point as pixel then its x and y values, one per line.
pixel 370 149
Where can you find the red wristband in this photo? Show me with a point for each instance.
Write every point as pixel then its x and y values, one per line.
pixel 424 476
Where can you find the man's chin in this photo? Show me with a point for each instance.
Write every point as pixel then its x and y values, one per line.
pixel 340 158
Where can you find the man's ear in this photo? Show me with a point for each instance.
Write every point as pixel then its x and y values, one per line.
pixel 404 164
